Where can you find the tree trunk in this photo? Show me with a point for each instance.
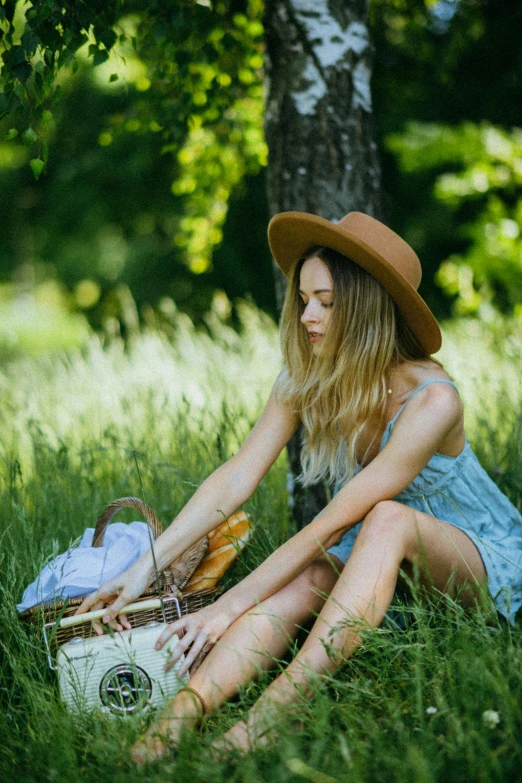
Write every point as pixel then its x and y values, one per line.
pixel 318 125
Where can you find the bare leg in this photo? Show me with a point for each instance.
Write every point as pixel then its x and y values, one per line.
pixel 391 533
pixel 252 644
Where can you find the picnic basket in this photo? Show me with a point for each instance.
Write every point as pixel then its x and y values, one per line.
pixel 185 586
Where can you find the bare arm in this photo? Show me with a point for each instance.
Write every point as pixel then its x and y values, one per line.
pixel 220 494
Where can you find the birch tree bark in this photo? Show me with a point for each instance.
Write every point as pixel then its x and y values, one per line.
pixel 318 125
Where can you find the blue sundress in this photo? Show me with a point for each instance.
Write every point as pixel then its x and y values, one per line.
pixel 458 490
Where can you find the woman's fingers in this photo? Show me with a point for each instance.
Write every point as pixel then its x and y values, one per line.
pixel 190 657
pixel 98 599
pixel 115 608
pixel 180 649
pixel 173 628
pixel 88 603
pixel 198 660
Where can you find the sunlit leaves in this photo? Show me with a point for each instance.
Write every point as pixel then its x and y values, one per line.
pixel 37 41
pixel 213 160
pixel 205 69
pixel 37 166
pixel 477 167
pixel 209 172
pixel 203 85
pixel 29 137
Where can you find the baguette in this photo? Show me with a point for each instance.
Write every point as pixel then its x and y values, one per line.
pixel 225 544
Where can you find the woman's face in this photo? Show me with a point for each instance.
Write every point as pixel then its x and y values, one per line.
pixel 316 291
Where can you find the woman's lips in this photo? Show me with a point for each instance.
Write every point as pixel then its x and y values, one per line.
pixel 314 336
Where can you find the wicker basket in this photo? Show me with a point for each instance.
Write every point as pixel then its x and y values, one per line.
pixel 171 583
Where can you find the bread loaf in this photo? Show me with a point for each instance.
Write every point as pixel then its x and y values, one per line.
pixel 225 544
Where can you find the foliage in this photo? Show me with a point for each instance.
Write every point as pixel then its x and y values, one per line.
pixel 182 81
pixel 445 94
pixel 176 224
pixel 102 220
pixel 210 59
pixel 205 91
pixel 478 177
pixel 53 31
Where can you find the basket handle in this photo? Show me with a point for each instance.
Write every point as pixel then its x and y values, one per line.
pixel 113 508
pixel 176 575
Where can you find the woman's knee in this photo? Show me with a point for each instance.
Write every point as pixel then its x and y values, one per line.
pixel 386 522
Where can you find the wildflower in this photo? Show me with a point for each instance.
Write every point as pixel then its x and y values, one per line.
pixel 491 718
pixel 431 710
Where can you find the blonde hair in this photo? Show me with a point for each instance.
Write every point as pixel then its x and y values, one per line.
pixel 337 391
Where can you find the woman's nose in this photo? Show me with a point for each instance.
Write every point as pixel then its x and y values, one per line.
pixel 310 314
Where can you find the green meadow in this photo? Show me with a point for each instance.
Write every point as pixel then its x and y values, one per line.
pixel 438 699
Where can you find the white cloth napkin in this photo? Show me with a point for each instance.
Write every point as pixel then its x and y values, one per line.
pixel 82 570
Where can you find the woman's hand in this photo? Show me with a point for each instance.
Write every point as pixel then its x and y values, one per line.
pixel 198 633
pixel 115 594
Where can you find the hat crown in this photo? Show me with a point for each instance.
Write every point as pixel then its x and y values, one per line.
pixel 386 243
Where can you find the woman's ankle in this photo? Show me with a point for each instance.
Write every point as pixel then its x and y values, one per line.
pixel 186 705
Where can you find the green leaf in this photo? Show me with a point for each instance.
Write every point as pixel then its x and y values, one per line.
pixel 57 94
pixel 9 9
pixel 12 133
pixel 100 57
pixel 65 58
pixel 9 101
pixel 29 41
pixel 106 35
pixel 38 85
pixel 14 56
pixel 47 116
pixel 29 137
pixel 22 72
pixel 37 167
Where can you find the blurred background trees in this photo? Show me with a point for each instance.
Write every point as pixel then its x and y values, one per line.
pixel 151 160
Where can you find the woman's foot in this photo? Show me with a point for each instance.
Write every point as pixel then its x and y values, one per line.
pixel 247 735
pixel 183 713
pixel 237 738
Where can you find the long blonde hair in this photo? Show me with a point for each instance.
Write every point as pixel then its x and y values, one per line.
pixel 337 391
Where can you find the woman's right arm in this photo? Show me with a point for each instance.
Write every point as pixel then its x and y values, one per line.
pixel 216 499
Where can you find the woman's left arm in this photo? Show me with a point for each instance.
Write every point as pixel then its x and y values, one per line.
pixel 424 424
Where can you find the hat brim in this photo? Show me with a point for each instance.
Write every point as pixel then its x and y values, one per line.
pixel 291 234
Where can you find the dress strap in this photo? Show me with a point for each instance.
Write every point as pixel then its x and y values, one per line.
pixel 414 392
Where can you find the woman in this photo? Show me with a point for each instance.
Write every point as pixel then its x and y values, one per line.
pixel 383 422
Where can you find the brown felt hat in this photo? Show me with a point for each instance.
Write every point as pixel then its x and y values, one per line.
pixel 371 245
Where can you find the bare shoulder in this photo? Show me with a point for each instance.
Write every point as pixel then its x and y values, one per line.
pixel 435 412
pixel 436 402
pixel 441 399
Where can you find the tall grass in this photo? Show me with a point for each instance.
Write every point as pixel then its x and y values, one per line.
pixel 411 705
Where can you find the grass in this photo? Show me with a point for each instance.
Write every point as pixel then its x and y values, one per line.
pixel 409 706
